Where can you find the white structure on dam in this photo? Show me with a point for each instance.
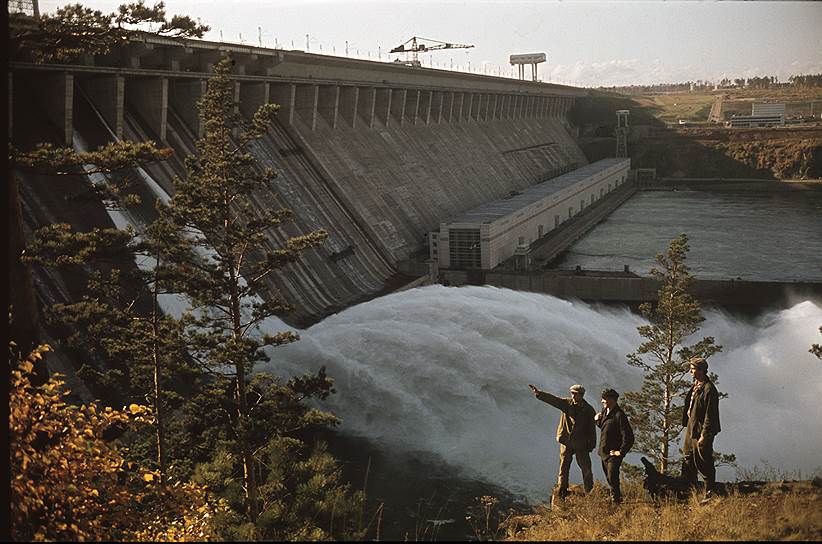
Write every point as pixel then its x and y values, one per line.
pixel 484 237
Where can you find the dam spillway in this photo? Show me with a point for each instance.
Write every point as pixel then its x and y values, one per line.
pixel 376 153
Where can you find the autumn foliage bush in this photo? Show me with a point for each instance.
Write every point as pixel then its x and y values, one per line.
pixel 69 483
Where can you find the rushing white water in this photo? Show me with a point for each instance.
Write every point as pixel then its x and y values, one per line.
pixel 445 370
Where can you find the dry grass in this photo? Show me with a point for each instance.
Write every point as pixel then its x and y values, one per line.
pixel 777 516
pixel 672 107
pixel 695 106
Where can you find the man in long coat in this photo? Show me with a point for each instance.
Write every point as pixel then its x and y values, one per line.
pixel 615 440
pixel 575 433
pixel 700 417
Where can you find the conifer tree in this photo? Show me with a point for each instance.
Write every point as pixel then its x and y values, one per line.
pixel 656 410
pixel 212 204
pixel 74 30
pixel 61 37
pixel 58 244
pixel 138 345
pixel 106 322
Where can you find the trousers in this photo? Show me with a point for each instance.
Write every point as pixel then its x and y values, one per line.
pixel 700 459
pixel 583 461
pixel 610 467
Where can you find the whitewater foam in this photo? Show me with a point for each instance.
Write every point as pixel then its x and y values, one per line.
pixel 444 370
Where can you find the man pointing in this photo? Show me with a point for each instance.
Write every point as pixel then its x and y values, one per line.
pixel 575 433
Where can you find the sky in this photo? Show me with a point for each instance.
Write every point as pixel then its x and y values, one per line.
pixel 588 43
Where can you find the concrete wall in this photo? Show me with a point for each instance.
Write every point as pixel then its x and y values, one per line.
pixel 376 154
pixel 590 286
pixel 406 178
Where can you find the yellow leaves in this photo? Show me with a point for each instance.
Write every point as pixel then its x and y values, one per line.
pixel 68 484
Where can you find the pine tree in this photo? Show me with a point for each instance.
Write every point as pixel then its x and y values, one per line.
pixel 107 322
pixel 211 204
pixel 56 243
pixel 656 410
pixel 71 31
pixel 137 345
pixel 74 30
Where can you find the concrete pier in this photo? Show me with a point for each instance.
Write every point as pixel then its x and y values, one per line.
pixel 108 94
pixel 149 97
pixel 599 286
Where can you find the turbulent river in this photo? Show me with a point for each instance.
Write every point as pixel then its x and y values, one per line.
pixel 443 371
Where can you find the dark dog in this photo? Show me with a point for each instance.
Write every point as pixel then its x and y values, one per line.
pixel 660 485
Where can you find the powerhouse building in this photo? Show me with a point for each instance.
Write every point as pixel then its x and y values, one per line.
pixel 762 115
pixel 484 237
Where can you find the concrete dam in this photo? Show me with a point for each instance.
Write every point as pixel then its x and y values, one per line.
pixel 378 154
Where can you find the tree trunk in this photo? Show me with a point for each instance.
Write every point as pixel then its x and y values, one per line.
pixel 158 405
pixel 22 298
pixel 249 476
pixel 666 424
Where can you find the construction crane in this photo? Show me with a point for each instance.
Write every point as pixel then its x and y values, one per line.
pixel 414 46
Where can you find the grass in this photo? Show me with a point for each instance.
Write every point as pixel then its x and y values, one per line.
pixel 672 107
pixel 774 515
pixel 695 106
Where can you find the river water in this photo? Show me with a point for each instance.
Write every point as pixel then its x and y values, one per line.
pixel 774 236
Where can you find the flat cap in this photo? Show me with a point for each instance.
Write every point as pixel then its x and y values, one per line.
pixel 576 388
pixel 698 362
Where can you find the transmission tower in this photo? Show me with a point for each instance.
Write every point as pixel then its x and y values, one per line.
pixel 621 133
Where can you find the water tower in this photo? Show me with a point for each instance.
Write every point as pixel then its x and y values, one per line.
pixel 621 133
pixel 530 58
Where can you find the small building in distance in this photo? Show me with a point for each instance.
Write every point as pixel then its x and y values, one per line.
pixel 762 115
pixel 482 238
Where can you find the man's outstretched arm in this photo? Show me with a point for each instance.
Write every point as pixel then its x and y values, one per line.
pixel 544 396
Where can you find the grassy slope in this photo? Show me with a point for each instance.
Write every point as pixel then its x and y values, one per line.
pixel 710 151
pixel 695 106
pixel 772 515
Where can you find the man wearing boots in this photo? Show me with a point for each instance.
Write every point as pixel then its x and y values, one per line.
pixel 576 435
pixel 700 417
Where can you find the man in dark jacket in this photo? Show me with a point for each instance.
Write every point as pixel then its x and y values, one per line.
pixel 575 433
pixel 700 417
pixel 615 439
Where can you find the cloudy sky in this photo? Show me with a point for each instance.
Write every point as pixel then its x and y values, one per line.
pixel 587 42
